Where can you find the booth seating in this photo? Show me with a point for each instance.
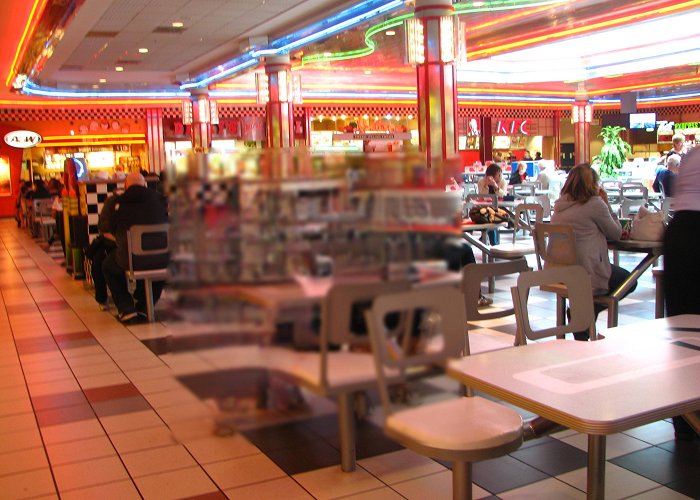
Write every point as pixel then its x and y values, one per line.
pixel 461 430
pixel 42 221
pixel 149 252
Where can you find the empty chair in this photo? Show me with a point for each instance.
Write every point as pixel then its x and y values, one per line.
pixel 340 374
pixel 148 248
pixel 525 216
pixel 472 277
pixel 461 430
pixel 578 285
pixel 613 189
pixel 634 195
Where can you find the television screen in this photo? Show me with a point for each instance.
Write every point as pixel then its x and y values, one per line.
pixel 646 121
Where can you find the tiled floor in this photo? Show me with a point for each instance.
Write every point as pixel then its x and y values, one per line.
pixel 88 411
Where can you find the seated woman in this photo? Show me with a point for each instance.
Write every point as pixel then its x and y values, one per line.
pixel 519 175
pixel 493 183
pixel 584 205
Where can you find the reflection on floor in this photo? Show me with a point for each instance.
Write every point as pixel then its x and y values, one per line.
pixel 89 411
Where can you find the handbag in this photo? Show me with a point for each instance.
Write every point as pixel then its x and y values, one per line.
pixel 486 214
pixel 648 226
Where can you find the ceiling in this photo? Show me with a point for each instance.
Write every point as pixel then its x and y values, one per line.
pixel 517 49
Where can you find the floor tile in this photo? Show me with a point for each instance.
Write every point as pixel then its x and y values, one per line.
pixel 435 486
pixel 156 460
pixel 619 483
pixel 119 490
pixel 23 460
pixel 331 482
pixel 552 457
pixel 548 488
pixel 65 415
pixel 284 487
pixel 400 466
pixel 79 451
pixel 89 473
pixel 243 471
pixel 27 484
pixel 504 473
pixel 143 439
pixel 215 449
pixel 72 431
pixel 183 483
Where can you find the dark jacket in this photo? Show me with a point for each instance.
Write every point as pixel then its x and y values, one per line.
pixel 138 205
pixel 664 178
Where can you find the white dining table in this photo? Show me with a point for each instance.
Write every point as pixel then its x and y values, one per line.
pixel 639 374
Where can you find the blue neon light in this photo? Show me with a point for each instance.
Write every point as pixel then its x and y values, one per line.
pixel 32 88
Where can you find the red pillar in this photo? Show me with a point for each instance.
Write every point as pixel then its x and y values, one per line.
pixel 581 115
pixel 436 83
pixel 279 110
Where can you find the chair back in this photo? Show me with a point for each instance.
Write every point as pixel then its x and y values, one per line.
pixel 148 246
pixel 525 216
pixel 580 295
pixel 42 207
pixel 472 277
pixel 634 196
pixel 555 245
pixel 343 320
pixel 440 337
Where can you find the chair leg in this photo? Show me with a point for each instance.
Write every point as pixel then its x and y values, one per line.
pixel 346 429
pixel 461 481
pixel 150 308
pixel 612 314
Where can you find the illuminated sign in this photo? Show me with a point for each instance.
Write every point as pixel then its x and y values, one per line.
pixel 513 126
pixel 22 139
pixel 369 136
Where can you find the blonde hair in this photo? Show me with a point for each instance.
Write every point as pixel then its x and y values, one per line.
pixel 581 184
pixel 678 138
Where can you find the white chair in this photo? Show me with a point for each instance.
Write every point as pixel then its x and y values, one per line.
pixel 472 277
pixel 461 430
pixel 634 196
pixel 149 253
pixel 578 285
pixel 525 216
pixel 556 246
pixel 341 374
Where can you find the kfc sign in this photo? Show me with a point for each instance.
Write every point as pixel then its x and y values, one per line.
pixel 513 126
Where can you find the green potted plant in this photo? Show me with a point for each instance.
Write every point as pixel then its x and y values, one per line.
pixel 614 151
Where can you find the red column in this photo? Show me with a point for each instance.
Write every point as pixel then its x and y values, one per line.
pixel 436 84
pixel 279 111
pixel 557 137
pixel 581 115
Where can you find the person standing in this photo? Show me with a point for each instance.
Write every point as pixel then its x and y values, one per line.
pixel 138 205
pixel 681 267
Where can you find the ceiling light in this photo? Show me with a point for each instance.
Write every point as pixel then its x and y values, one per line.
pixel 368 72
pixel 95 86
pixel 390 32
pixel 102 80
pixel 478 4
pixel 119 68
pixel 178 24
pixel 143 50
pixel 327 54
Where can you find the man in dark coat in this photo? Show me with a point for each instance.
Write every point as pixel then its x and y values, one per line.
pixel 138 205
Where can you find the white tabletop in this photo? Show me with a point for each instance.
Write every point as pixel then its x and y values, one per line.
pixel 640 374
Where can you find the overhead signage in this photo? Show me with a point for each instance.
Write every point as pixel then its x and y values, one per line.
pixel 22 139
pixel 513 126
pixel 368 136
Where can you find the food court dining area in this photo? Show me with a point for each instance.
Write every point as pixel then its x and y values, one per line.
pixel 323 352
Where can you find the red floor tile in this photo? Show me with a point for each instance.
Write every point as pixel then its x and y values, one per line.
pixel 111 392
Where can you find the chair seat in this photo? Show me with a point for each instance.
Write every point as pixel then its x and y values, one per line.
pixel 347 371
pixel 512 250
pixel 152 274
pixel 465 429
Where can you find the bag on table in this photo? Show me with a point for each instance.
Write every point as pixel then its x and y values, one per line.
pixel 648 226
pixel 486 214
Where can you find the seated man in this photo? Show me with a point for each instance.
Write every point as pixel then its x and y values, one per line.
pixel 138 205
pixel 666 176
